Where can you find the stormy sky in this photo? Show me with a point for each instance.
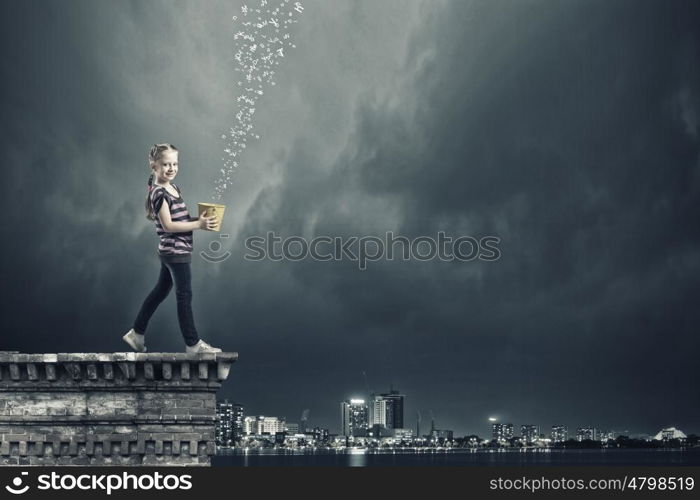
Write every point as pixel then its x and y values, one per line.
pixel 568 129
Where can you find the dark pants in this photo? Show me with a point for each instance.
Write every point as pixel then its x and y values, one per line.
pixel 183 293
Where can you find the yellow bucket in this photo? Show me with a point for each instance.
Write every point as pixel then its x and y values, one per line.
pixel 209 209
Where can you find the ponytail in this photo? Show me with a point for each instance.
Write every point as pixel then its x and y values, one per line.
pixel 149 210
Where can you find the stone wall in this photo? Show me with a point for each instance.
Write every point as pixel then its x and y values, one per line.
pixel 109 409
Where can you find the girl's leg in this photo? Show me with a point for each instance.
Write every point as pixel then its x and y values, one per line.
pixel 183 293
pixel 157 295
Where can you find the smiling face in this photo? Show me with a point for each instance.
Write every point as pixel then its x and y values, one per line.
pixel 165 168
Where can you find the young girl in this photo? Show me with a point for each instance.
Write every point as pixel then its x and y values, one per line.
pixel 165 206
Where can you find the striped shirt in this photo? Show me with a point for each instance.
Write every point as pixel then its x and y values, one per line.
pixel 172 247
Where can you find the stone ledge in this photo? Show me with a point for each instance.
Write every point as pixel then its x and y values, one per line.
pixel 101 419
pixel 78 357
pixel 125 370
pixel 108 444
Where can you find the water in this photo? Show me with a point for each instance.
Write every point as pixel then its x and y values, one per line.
pixel 365 458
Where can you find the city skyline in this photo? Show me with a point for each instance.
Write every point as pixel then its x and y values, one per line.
pixel 488 428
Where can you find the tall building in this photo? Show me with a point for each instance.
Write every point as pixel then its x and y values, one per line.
pixel 229 423
pixel 249 425
pixel 354 417
pixel 497 432
pixel 529 433
pixel 378 411
pixel 559 433
pixel 237 421
pixel 304 421
pixel 586 433
pixel 386 410
pixel 502 432
pixel 394 417
pixel 508 431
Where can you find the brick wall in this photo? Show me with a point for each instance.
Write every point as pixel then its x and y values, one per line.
pixel 109 409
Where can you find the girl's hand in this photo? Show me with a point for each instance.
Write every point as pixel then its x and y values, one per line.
pixel 207 223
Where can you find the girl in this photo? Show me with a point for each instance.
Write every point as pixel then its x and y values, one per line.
pixel 165 206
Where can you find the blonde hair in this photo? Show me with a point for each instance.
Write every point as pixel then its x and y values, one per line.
pixel 154 155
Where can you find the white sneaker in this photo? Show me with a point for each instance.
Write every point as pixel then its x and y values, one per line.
pixel 201 346
pixel 135 340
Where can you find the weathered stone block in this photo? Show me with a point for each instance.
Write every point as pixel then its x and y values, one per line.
pixel 77 409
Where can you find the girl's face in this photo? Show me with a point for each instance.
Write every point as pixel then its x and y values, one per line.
pixel 165 167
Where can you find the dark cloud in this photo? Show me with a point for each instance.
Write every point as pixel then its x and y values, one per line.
pixel 567 129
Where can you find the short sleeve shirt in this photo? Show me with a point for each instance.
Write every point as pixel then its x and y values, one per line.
pixel 172 247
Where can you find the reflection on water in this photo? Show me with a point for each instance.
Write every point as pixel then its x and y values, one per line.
pixel 359 457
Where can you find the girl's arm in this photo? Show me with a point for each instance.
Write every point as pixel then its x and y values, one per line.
pixel 181 226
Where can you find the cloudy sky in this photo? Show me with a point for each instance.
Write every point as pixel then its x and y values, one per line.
pixel 568 129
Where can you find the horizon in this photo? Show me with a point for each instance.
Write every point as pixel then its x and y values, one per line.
pixel 544 429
